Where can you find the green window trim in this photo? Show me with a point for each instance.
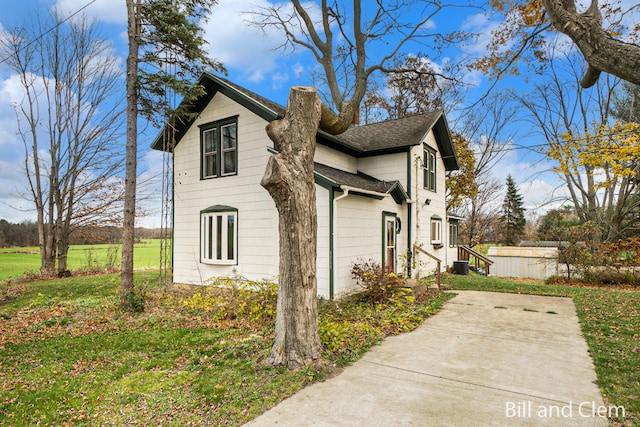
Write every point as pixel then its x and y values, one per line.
pixel 219 148
pixel 453 234
pixel 436 230
pixel 429 168
pixel 219 235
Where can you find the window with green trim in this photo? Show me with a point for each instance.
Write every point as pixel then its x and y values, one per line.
pixel 219 237
pixel 453 234
pixel 436 230
pixel 429 167
pixel 219 148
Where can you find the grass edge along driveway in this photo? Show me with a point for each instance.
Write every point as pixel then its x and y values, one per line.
pixel 610 322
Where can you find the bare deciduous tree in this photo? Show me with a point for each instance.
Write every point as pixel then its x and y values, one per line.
pixel 589 148
pixel 487 128
pixel 606 33
pixel 68 120
pixel 600 49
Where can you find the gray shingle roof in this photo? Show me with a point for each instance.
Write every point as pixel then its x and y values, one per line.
pixel 391 134
pixel 388 136
pixel 338 178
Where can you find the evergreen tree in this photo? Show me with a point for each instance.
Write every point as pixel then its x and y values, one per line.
pixel 512 214
pixel 166 55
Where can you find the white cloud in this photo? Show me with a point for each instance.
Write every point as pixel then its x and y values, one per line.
pixel 102 10
pixel 251 52
pixel 8 126
pixel 240 46
pixel 14 207
pixel 483 27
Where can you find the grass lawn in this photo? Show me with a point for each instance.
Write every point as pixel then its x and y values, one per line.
pixel 70 356
pixel 610 321
pixel 17 262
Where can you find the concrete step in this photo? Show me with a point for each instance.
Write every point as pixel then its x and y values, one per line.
pixel 419 288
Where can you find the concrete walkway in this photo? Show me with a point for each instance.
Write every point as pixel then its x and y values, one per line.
pixel 485 359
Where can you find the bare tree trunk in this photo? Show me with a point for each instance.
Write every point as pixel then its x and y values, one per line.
pixel 128 226
pixel 289 180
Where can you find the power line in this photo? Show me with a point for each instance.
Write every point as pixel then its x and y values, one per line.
pixel 48 31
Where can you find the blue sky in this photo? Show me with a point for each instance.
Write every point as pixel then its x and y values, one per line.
pixel 253 61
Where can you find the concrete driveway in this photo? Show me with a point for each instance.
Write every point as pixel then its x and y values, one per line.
pixel 486 359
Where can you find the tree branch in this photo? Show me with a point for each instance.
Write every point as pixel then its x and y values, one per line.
pixel 602 52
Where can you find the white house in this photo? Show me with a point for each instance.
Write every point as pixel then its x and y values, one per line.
pixel 380 190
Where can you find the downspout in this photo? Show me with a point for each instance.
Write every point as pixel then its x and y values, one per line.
pixel 334 226
pixel 410 204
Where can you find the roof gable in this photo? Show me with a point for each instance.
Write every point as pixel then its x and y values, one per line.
pixel 262 107
pixel 359 141
pixel 399 135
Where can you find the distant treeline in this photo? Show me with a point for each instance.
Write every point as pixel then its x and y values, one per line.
pixel 26 234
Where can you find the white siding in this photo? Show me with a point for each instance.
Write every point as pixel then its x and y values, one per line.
pixel 330 157
pixel 359 236
pixel 423 211
pixel 387 167
pixel 358 233
pixel 323 256
pixel 257 216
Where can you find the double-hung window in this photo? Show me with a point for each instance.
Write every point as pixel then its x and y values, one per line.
pixel 219 235
pixel 219 148
pixel 429 165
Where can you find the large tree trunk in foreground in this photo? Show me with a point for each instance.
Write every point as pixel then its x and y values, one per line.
pixel 289 180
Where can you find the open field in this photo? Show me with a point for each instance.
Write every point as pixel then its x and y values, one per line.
pixel 610 321
pixel 71 356
pixel 17 262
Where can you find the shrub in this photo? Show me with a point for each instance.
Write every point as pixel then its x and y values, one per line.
pixel 612 276
pixel 556 280
pixel 378 284
pixel 229 299
pixel 347 339
pixel 135 301
pixel 624 253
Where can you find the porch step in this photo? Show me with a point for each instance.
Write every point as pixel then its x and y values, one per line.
pixel 418 289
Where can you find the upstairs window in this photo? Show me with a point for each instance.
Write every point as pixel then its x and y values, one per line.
pixel 219 148
pixel 429 165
